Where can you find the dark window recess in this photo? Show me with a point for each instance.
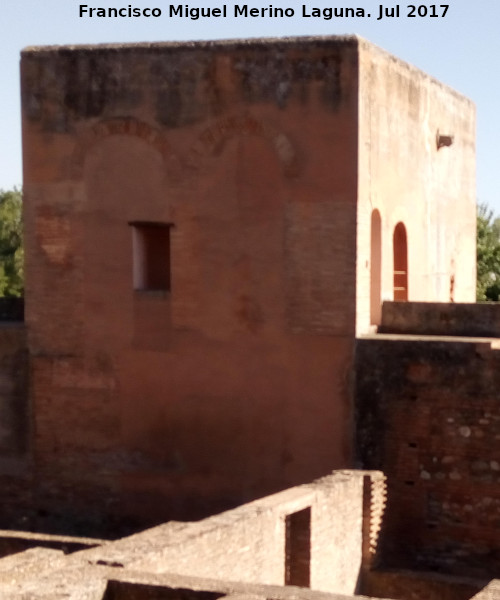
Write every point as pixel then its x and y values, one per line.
pixel 151 256
pixel 298 548
pixel 400 251
pixel 12 309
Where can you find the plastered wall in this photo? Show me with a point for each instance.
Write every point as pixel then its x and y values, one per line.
pixel 407 178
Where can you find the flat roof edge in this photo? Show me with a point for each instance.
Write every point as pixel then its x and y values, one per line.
pixel 372 47
pixel 201 44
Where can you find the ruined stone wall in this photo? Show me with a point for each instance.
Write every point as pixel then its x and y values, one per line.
pixel 490 592
pixel 242 552
pixel 407 585
pixel 111 583
pixel 249 544
pixel 407 178
pixel 234 382
pixel 433 318
pixel 427 415
pixel 14 542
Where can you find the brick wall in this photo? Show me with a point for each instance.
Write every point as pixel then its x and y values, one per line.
pixel 235 383
pixel 75 429
pixel 427 415
pixel 14 414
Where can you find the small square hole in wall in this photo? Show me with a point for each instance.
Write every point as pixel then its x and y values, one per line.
pixel 151 256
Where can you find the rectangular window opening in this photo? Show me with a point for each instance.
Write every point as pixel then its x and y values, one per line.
pixel 298 548
pixel 151 256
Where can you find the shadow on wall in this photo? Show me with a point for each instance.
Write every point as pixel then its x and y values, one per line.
pixel 11 310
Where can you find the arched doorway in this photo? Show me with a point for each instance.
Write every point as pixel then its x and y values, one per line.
pixel 400 247
pixel 376 269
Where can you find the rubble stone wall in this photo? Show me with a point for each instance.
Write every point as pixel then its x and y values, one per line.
pixel 427 416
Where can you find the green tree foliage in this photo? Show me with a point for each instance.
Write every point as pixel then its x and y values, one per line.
pixel 488 255
pixel 11 244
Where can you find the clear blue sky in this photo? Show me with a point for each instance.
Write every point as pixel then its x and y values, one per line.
pixel 462 50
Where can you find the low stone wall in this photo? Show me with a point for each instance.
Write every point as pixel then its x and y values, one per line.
pixel 250 543
pixel 436 318
pixel 237 555
pixel 13 542
pixel 490 592
pixel 321 528
pixel 137 586
pixel 406 585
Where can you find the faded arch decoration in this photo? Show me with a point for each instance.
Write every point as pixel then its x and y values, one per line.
pixel 119 126
pixel 209 142
pixel 213 138
pixel 400 249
